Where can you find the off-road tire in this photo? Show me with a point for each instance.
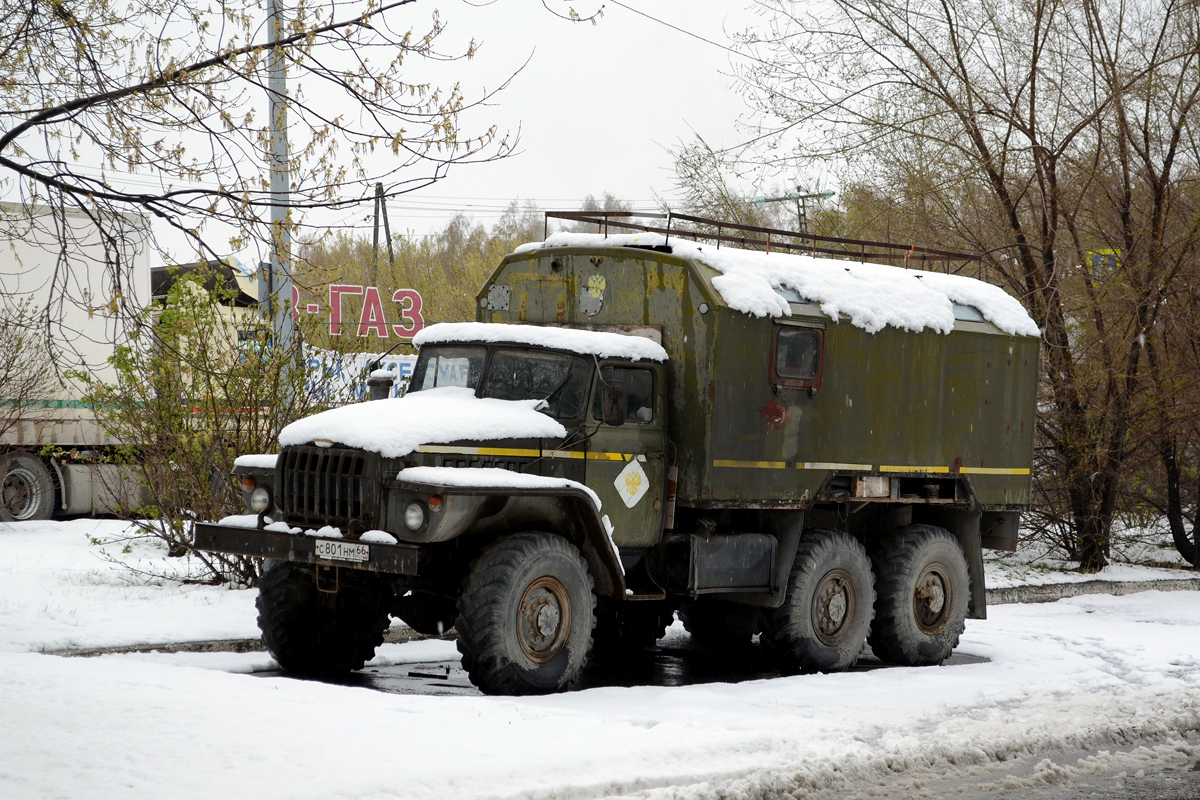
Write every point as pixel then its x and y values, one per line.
pixel 426 613
pixel 719 624
pixel 525 615
pixel 321 634
pixel 28 488
pixel 826 612
pixel 630 626
pixel 914 626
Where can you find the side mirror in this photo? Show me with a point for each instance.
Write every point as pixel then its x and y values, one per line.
pixel 380 385
pixel 614 403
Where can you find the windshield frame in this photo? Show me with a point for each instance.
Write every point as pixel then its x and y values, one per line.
pixel 580 378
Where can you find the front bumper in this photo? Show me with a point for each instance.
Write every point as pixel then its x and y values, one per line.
pixel 394 559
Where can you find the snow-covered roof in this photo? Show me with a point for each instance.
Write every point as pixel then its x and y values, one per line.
pixel 873 296
pixel 396 426
pixel 605 344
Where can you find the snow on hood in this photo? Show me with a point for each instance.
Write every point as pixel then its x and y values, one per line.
pixel 491 477
pixel 873 296
pixel 396 426
pixel 604 344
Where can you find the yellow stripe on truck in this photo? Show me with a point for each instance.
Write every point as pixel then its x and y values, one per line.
pixel 995 470
pixel 724 462
pixel 525 453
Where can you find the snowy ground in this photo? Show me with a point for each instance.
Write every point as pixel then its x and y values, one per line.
pixel 1087 675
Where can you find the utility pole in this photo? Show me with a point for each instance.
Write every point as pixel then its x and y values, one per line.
pixel 278 283
pixel 801 203
pixel 380 205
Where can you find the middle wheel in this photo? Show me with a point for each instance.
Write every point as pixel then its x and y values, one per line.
pixel 826 613
pixel 525 615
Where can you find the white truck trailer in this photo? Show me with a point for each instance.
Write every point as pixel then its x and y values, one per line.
pixel 52 449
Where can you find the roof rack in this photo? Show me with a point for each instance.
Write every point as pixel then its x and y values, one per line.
pixel 760 238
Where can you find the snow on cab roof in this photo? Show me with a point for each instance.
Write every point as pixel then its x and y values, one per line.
pixel 604 344
pixel 873 296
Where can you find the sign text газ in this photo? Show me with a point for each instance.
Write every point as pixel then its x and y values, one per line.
pixel 372 319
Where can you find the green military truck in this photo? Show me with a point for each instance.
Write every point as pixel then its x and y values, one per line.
pixel 811 449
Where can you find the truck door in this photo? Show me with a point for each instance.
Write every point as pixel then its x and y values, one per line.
pixel 626 464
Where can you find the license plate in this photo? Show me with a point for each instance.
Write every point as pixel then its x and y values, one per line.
pixel 342 551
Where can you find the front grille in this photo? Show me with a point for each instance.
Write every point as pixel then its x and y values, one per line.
pixel 326 486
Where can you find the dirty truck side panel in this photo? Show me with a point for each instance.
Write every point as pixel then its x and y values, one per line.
pixel 892 402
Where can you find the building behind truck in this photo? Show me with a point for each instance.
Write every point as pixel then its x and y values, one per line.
pixel 52 456
pixel 55 456
pixel 641 423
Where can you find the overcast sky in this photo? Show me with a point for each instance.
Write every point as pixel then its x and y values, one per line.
pixel 597 106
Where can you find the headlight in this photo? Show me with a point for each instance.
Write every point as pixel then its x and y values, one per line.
pixel 414 516
pixel 260 500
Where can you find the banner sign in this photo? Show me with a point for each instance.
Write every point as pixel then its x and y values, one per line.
pixel 373 319
pixel 342 378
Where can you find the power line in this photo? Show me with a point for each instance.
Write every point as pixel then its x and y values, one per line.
pixel 686 32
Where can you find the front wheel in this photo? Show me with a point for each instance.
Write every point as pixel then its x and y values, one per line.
pixel 28 488
pixel 321 633
pixel 826 613
pixel 525 616
pixel 924 587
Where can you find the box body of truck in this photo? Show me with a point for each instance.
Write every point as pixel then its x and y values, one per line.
pixel 52 460
pixel 813 444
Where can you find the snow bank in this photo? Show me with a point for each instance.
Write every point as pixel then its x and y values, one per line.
pixel 1004 570
pixel 1090 673
pixel 59 591
pixel 604 344
pixel 490 477
pixel 871 295
pixel 398 425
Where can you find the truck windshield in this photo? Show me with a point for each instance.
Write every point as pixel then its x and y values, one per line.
pixel 561 380
pixel 448 365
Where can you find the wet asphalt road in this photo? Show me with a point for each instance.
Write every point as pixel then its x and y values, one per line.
pixel 673 662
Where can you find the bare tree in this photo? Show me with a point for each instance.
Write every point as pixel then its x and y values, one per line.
pixel 157 107
pixel 1055 138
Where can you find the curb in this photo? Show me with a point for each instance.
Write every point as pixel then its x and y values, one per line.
pixel 1048 593
pixel 392 635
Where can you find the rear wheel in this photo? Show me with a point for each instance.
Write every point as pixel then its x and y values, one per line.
pixel 28 488
pixel 526 615
pixel 320 633
pixel 826 613
pixel 924 587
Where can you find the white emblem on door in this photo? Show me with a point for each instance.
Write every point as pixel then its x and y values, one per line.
pixel 632 484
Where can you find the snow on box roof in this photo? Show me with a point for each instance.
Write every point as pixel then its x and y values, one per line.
pixel 873 296
pixel 604 344
pixel 396 426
